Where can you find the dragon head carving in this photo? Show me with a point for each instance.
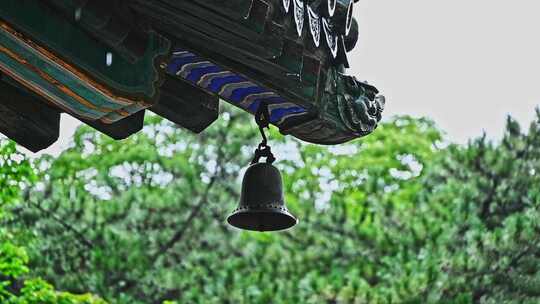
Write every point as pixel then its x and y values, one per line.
pixel 356 104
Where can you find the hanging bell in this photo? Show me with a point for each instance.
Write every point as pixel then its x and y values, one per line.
pixel 262 207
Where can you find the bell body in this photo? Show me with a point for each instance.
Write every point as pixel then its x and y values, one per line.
pixel 262 206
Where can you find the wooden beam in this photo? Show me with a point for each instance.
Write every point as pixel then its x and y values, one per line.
pixel 121 129
pixel 26 119
pixel 186 105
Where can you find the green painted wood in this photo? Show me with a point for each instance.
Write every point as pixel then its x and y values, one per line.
pixel 32 78
pixel 272 58
pixel 111 22
pixel 234 9
pixel 348 109
pixel 73 43
pixel 179 17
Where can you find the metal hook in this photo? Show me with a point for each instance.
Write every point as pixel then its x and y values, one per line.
pixel 262 118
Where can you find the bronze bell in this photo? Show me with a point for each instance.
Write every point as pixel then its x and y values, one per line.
pixel 262 207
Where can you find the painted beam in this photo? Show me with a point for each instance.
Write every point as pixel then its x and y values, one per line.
pixel 60 61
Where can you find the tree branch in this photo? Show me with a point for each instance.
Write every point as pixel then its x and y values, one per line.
pixel 64 224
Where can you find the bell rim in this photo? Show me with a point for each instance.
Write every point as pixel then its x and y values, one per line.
pixel 290 220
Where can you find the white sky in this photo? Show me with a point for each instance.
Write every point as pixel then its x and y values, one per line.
pixel 464 63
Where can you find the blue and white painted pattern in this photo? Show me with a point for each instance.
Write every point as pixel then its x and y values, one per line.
pixel 231 87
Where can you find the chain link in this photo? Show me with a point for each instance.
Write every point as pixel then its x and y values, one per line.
pixel 262 118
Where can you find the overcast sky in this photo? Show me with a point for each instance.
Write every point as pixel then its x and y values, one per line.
pixel 464 63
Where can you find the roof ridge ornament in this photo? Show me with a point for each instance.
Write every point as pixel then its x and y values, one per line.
pixel 331 39
pixel 314 26
pixel 286 5
pixel 299 13
pixel 336 19
pixel 331 7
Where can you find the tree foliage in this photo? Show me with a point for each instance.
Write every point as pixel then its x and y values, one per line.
pixel 397 217
pixel 16 286
pixel 485 235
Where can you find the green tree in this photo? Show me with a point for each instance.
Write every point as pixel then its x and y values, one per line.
pixel 143 220
pixel 484 203
pixel 139 220
pixel 394 218
pixel 15 285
